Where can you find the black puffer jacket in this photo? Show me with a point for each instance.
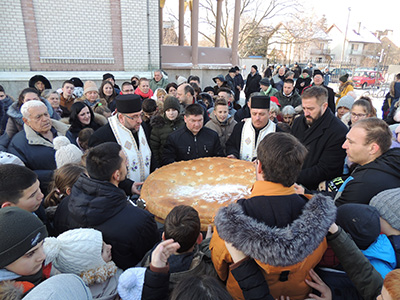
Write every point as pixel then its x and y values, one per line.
pixel 368 180
pixel 130 230
pixel 183 145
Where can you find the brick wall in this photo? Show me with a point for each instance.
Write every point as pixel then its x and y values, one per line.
pixel 74 28
pixel 76 35
pixel 13 49
pixel 136 45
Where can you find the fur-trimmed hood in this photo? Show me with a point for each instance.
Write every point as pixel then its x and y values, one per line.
pixel 277 246
pixel 10 291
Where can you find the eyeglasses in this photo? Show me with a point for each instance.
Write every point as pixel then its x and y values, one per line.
pixel 134 118
pixel 358 116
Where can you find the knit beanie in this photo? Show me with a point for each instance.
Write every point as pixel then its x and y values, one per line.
pixel 20 232
pixel 180 80
pixel 346 101
pixel 361 222
pixel 388 205
pixel 90 86
pixel 265 81
pixel 66 152
pixel 75 251
pixel 130 284
pixel 171 102
pixel 344 78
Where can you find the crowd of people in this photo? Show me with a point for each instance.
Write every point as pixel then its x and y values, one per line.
pixel 322 220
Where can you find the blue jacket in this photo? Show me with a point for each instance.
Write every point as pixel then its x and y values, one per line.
pixel 381 255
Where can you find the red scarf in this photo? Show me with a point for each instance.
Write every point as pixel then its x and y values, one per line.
pixel 143 95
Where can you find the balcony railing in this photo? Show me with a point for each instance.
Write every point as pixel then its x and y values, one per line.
pixel 320 51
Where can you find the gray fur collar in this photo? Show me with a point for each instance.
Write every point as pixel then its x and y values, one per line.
pixel 278 246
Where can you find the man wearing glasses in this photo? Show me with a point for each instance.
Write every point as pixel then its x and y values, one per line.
pixel 125 128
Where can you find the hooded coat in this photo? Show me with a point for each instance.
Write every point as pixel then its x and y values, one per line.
pixel 285 250
pixel 368 180
pixel 130 231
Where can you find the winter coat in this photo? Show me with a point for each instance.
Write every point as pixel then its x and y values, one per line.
pixel 269 92
pixel 15 122
pixel 61 286
pixel 324 140
pixel 368 180
pixel 297 71
pixel 223 129
pixel 277 82
pixel 238 81
pixel 183 145
pixel 230 82
pixel 299 86
pixel 130 231
pixel 381 255
pixel 252 84
pixel 284 257
pixel 183 265
pixel 36 152
pixel 247 273
pixel 344 88
pixel 331 97
pixel 363 275
pixel 224 85
pixel 294 99
pixel 242 113
pixel 67 103
pixel 160 84
pixel 162 127
pixel 6 103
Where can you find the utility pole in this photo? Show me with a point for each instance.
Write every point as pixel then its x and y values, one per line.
pixel 345 37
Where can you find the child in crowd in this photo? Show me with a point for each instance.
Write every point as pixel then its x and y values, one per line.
pixel 21 252
pixel 19 186
pixel 221 122
pixel 362 222
pixel 391 286
pixel 83 252
pixel 83 138
pixel 193 257
pixel 66 152
pixel 63 180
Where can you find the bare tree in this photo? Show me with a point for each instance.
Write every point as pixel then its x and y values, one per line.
pixel 255 15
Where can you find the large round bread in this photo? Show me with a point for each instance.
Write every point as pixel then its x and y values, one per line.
pixel 206 184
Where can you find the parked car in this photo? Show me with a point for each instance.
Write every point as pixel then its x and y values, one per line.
pixel 367 78
pixel 338 72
